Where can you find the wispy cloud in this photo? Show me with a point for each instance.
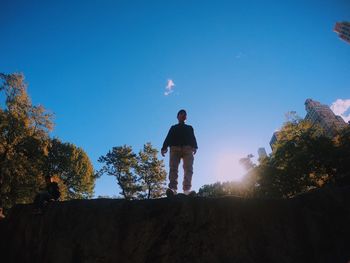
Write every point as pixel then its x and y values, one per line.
pixel 240 55
pixel 342 108
pixel 169 87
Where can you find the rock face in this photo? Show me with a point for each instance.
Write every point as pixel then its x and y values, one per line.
pixel 313 227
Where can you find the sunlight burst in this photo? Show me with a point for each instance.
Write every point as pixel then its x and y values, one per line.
pixel 228 167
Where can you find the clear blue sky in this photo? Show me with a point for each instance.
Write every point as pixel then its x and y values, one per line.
pixel 238 66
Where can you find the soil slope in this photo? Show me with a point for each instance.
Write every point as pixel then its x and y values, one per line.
pixel 313 227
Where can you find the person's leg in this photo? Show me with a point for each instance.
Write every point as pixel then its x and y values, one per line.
pixel 188 167
pixel 174 160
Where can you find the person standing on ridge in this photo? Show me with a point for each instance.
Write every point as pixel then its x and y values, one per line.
pixel 183 145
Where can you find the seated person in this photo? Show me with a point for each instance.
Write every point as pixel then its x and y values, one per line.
pixel 51 193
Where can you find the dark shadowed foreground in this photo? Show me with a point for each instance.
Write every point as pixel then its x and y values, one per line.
pixel 314 227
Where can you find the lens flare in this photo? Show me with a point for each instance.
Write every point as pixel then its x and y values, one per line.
pixel 228 167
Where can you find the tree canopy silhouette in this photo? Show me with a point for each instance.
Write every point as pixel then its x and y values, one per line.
pixel 24 141
pixel 138 176
pixel 73 168
pixel 303 158
pixel 27 153
pixel 151 172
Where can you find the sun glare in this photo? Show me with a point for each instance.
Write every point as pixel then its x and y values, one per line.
pixel 228 167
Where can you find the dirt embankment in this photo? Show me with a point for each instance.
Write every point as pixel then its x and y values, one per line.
pixel 313 227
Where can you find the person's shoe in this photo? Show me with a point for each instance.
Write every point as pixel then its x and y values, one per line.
pixel 189 193
pixel 170 192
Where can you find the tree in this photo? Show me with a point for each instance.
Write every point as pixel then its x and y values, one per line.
pixel 247 162
pixel 24 140
pixel 302 159
pixel 242 189
pixel 342 157
pixel 72 167
pixel 292 117
pixel 151 172
pixel 211 190
pixel 121 163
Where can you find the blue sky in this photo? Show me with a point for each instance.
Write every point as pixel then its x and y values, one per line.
pixel 238 66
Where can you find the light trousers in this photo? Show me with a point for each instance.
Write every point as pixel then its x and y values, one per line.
pixel 176 154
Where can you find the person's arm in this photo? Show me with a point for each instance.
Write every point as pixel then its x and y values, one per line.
pixel 194 141
pixel 167 142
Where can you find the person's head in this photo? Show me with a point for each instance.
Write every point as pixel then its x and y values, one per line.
pixel 181 115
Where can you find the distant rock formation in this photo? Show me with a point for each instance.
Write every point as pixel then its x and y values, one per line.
pixel 313 227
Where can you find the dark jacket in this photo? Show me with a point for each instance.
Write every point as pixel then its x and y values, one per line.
pixel 180 135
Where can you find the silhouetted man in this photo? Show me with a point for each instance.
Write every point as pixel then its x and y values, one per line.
pixel 183 145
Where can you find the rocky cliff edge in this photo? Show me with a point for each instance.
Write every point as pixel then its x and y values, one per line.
pixel 313 227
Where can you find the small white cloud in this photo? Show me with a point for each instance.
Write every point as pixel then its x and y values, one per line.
pixel 240 55
pixel 342 107
pixel 169 87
